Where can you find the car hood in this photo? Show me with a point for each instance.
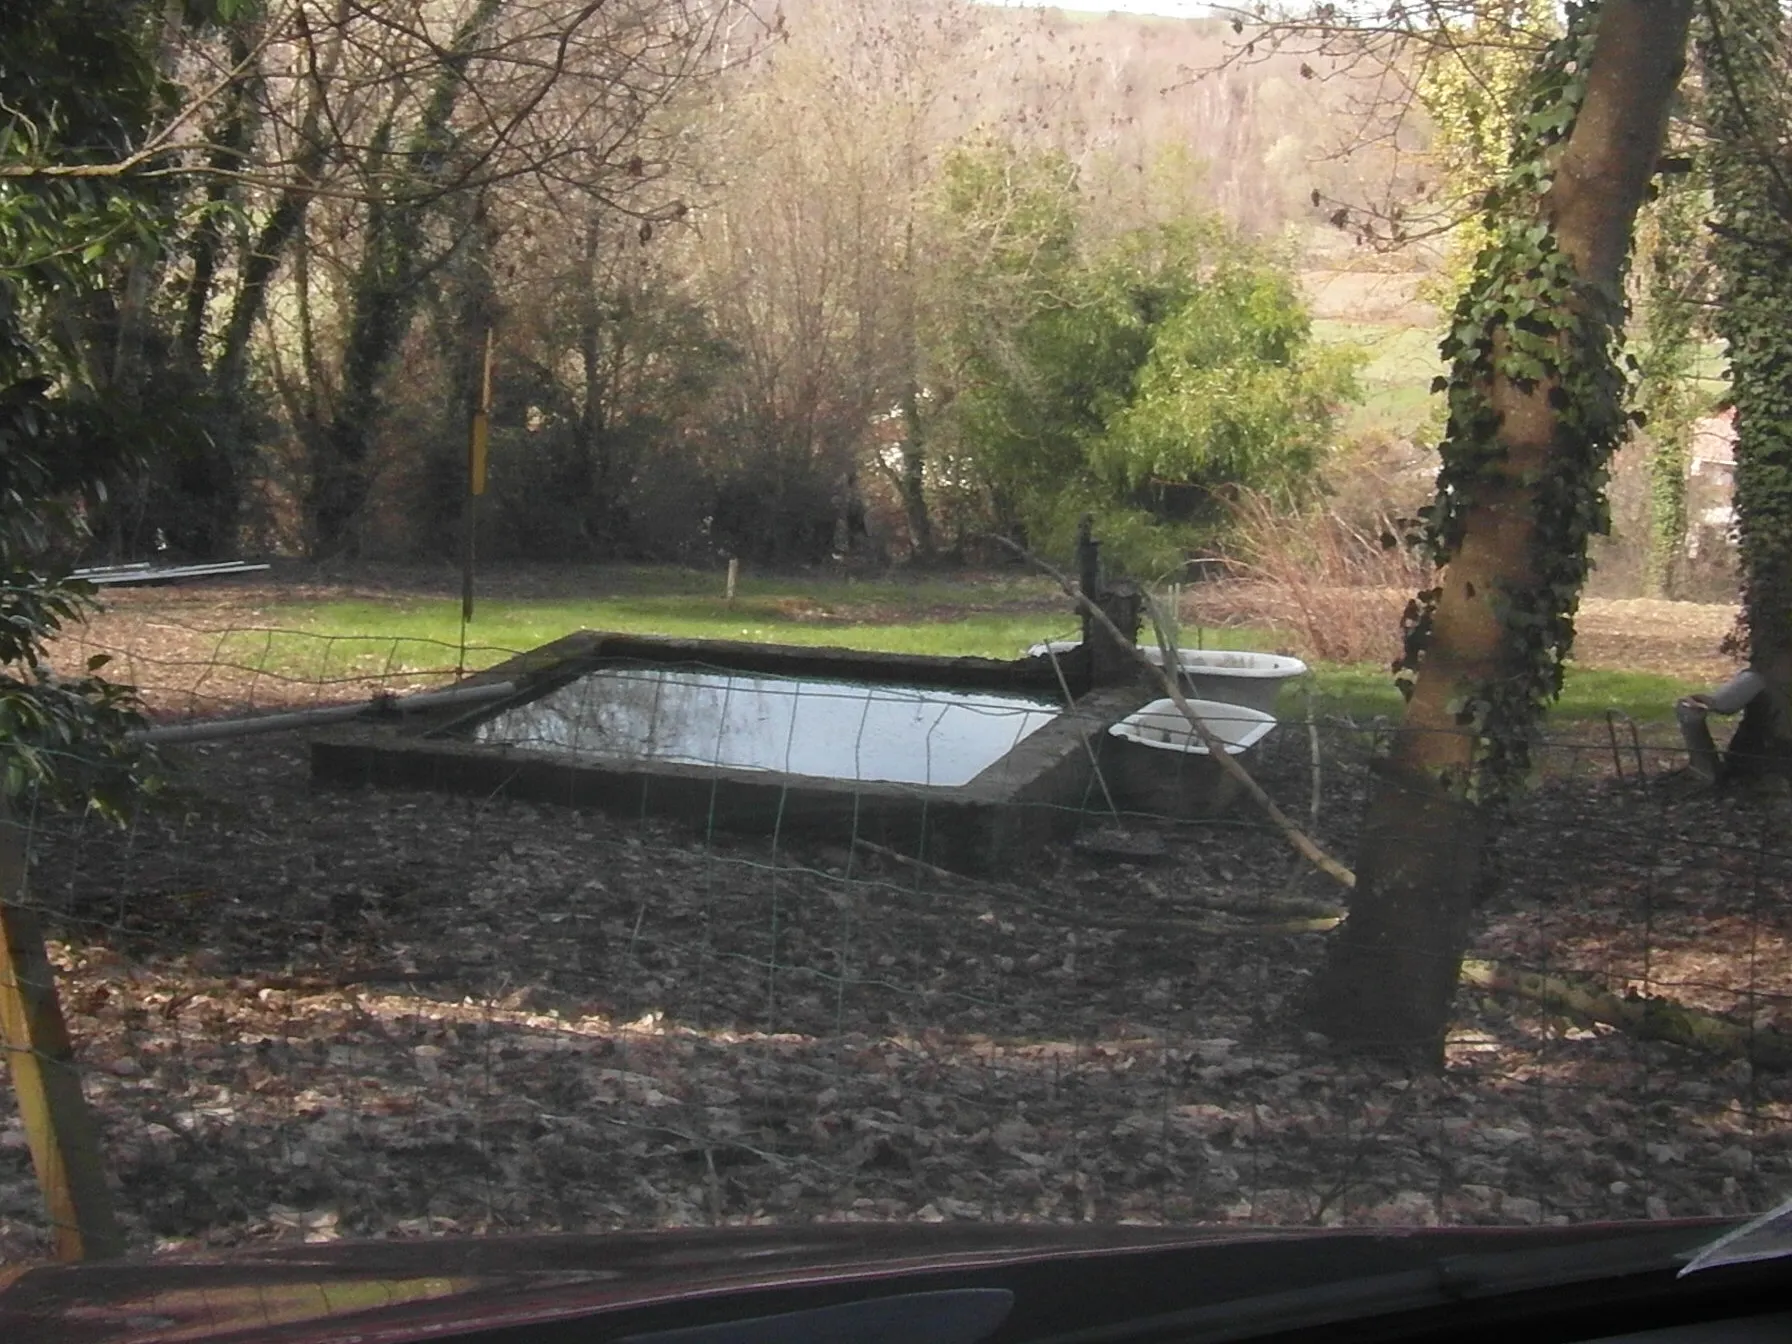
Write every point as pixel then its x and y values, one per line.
pixel 394 1292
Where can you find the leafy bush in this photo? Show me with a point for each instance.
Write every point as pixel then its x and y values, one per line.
pixel 1140 379
pixel 68 92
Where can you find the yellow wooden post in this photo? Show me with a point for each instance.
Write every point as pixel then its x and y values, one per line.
pixel 478 445
pixel 59 1128
pixel 478 437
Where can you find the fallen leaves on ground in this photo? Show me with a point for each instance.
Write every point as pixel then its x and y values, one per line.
pixel 309 1014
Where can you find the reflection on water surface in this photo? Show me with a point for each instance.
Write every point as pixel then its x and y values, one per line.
pixel 824 729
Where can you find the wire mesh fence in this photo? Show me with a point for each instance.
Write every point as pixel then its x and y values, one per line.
pixel 303 1012
pixel 199 670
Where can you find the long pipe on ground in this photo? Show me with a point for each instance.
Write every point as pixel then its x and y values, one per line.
pixel 105 578
pixel 219 729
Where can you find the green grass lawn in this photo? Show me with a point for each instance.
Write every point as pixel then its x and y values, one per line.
pixel 993 617
pixel 1402 361
pixel 1396 381
pixel 515 626
pixel 1365 691
pixel 985 618
pixel 982 623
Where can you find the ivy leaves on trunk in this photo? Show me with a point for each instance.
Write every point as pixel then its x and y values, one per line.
pixel 1743 51
pixel 1536 406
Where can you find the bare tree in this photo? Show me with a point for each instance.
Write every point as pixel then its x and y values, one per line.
pixel 411 122
pixel 1423 104
pixel 814 249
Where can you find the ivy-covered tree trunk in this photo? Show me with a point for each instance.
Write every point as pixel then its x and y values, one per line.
pixel 232 137
pixel 913 481
pixel 286 221
pixel 596 476
pixel 384 295
pixel 1535 402
pixel 1667 390
pixel 1743 49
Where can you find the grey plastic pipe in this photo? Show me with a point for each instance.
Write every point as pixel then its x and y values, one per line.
pixel 215 730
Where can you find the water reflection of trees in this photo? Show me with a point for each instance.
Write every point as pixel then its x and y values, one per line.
pixel 827 729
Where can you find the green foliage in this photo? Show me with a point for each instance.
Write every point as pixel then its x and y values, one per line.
pixel 1744 51
pixel 1671 240
pixel 1472 89
pixel 1133 541
pixel 77 80
pixel 75 84
pixel 1231 392
pixel 1012 218
pixel 1136 379
pixel 81 84
pixel 1527 317
pixel 609 465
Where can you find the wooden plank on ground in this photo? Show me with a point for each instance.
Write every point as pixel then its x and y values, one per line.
pixel 59 1128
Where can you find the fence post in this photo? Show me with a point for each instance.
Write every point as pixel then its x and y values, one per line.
pixel 58 1126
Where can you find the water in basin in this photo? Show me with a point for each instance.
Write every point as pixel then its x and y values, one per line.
pixel 818 728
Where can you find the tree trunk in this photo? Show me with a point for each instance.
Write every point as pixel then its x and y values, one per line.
pixel 211 472
pixel 1518 503
pixel 1669 453
pixel 288 216
pixel 1667 386
pixel 1744 53
pixel 597 463
pixel 913 481
pixel 231 141
pixel 384 296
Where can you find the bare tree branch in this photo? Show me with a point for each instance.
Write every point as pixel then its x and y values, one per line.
pixel 1302 843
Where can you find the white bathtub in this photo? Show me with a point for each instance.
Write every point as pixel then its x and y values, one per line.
pixel 1159 765
pixel 1160 725
pixel 1230 676
pixel 1234 676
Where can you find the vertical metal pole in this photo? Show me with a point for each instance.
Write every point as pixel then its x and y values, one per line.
pixel 59 1128
pixel 1088 570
